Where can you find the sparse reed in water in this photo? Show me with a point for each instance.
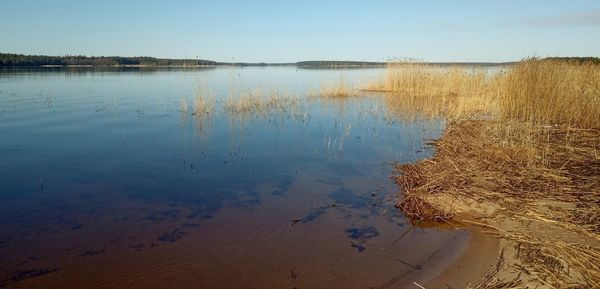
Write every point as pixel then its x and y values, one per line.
pixel 202 109
pixel 338 90
pixel 256 103
pixel 183 106
pixel 204 106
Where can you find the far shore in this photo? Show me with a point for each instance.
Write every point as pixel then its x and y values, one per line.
pixel 304 64
pixel 21 60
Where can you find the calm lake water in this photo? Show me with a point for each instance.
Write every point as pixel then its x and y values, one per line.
pixel 106 182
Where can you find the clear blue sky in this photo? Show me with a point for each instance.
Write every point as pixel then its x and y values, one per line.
pixel 286 30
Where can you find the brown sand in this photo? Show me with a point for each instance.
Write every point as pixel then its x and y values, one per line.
pixel 475 262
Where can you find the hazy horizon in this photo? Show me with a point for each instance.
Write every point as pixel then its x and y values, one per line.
pixel 275 32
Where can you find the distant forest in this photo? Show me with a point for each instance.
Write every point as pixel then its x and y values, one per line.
pixel 16 60
pixel 595 60
pixel 339 64
pixel 7 59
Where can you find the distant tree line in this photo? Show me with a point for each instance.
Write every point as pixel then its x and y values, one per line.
pixel 338 64
pixel 595 60
pixel 7 59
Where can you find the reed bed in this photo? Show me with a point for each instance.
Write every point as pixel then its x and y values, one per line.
pixel 523 164
pixel 245 104
pixel 204 106
pixel 202 109
pixel 552 92
pixel 338 90
pixel 541 91
pixel 257 103
pixel 423 90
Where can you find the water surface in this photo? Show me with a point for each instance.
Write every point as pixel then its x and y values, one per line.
pixel 106 182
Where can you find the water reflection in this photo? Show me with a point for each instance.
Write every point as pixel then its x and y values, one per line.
pixel 237 184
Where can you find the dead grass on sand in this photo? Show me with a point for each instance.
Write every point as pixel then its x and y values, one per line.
pixel 530 173
pixel 541 195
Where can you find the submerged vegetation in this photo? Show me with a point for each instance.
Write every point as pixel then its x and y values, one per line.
pixel 520 157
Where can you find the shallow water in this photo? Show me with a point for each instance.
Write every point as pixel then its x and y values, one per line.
pixel 105 182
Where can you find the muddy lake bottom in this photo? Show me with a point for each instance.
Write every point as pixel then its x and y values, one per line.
pixel 107 182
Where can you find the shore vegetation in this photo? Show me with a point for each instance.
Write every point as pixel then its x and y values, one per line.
pixel 520 158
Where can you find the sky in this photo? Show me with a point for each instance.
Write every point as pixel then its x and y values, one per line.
pixel 289 31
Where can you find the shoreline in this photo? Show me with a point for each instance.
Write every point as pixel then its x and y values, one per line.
pixel 458 263
pixel 537 213
pixel 474 262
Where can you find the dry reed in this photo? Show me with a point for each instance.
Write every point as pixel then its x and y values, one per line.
pixel 183 106
pixel 481 171
pixel 552 92
pixel 204 106
pixel 339 90
pixel 431 91
pixel 529 168
pixel 260 104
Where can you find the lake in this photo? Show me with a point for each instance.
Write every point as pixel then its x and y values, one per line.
pixel 111 179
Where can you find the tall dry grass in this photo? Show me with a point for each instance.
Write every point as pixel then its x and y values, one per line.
pixel 256 103
pixel 432 91
pixel 204 106
pixel 552 92
pixel 334 90
pixel 538 91
pixel 341 89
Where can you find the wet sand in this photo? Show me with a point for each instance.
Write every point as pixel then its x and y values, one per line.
pixel 468 266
